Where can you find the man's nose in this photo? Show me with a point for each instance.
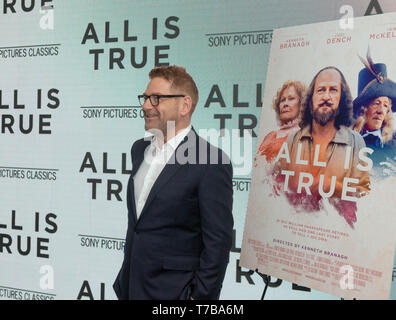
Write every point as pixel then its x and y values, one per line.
pixel 327 95
pixel 147 105
pixel 381 109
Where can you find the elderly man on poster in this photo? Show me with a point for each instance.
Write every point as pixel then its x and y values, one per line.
pixel 326 159
pixel 373 109
pixel 179 202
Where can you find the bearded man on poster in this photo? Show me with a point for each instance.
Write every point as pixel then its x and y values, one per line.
pixel 179 200
pixel 325 152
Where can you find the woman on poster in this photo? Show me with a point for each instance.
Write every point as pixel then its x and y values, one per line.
pixel 287 105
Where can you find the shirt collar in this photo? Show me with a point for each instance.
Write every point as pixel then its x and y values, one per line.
pixel 341 135
pixel 173 142
pixel 377 133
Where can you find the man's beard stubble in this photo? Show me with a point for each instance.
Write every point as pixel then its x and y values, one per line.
pixel 324 117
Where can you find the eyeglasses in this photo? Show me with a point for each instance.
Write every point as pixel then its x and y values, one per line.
pixel 155 98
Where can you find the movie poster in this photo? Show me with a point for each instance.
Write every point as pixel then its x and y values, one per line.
pixel 321 210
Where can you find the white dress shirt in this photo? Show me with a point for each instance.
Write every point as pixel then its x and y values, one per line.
pixel 155 159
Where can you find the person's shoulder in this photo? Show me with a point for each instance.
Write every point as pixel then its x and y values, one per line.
pixel 352 132
pixel 270 136
pixel 268 139
pixel 295 135
pixel 141 141
pixel 355 137
pixel 140 144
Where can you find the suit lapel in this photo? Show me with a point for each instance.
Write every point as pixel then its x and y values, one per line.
pixel 138 156
pixel 169 170
pixel 137 159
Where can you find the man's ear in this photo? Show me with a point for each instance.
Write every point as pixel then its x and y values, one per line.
pixel 186 107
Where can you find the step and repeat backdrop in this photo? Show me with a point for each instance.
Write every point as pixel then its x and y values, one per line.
pixel 70 75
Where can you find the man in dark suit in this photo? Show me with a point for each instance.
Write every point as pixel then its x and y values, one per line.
pixel 179 200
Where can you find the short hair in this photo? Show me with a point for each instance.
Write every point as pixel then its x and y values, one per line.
pixel 179 79
pixel 344 116
pixel 300 89
pixel 387 124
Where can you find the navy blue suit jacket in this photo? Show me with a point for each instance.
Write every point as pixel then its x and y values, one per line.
pixel 179 247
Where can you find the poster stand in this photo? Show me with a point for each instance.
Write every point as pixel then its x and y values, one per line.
pixel 266 279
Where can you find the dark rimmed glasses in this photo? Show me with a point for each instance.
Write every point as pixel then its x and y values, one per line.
pixel 155 98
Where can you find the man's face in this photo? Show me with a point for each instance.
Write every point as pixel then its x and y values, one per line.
pixel 326 96
pixel 167 109
pixel 289 105
pixel 376 112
